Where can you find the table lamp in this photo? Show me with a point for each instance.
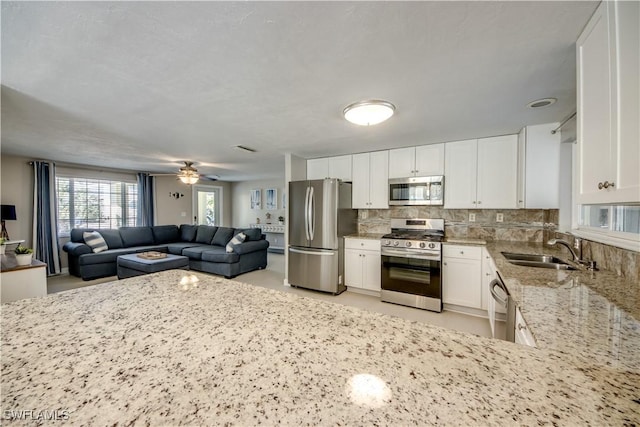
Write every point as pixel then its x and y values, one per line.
pixel 7 212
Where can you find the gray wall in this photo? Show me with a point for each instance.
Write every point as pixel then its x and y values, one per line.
pixel 17 189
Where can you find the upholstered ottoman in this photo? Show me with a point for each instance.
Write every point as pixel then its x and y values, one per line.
pixel 132 265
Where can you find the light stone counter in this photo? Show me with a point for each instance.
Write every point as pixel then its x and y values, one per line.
pixel 165 349
pixel 592 315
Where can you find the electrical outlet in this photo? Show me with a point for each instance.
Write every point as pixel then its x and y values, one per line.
pixel 499 217
pixel 472 217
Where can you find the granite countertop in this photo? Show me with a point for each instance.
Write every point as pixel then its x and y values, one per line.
pixel 182 348
pixel 590 314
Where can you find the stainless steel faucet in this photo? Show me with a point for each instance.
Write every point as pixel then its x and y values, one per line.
pixel 553 242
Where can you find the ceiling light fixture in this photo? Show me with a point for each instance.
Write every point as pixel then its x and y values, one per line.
pixel 544 102
pixel 368 113
pixel 188 178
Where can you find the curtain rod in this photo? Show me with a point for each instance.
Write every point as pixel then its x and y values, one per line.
pixel 564 122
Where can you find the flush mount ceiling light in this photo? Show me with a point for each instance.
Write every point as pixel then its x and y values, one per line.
pixel 368 113
pixel 544 102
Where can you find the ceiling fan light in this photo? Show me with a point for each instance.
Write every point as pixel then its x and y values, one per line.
pixel 369 113
pixel 188 178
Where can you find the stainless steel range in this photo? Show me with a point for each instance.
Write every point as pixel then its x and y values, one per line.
pixel 411 263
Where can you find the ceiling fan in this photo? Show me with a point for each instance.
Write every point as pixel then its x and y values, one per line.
pixel 189 174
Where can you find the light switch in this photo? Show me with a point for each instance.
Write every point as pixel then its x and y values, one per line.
pixel 183 214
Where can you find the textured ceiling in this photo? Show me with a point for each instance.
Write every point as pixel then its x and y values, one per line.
pixel 144 85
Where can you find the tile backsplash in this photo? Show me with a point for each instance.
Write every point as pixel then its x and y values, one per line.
pixel 624 262
pixel 531 225
pixel 517 224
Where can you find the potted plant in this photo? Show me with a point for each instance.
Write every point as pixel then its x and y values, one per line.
pixel 3 246
pixel 23 255
pixel 281 220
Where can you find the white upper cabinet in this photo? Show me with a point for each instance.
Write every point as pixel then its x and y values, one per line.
pixel 482 173
pixel 330 167
pixel 608 131
pixel 425 160
pixel 498 172
pixel 371 180
pixel 461 161
pixel 539 167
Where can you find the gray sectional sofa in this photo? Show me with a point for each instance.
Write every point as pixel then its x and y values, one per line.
pixel 205 246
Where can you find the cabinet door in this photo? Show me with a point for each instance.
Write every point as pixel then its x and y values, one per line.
pixel 460 174
pixel 353 268
pixel 360 183
pixel 402 162
pixel 430 160
pixel 371 270
pixel 317 168
pixel 340 167
pixel 497 173
pixel 379 180
pixel 542 174
pixel 627 184
pixel 461 283
pixel 594 107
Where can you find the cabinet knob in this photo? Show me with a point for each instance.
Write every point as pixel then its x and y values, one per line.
pixel 444 263
pixel 479 202
pixel 361 244
pixel 600 186
pixel 608 184
pixel 474 202
pixel 461 252
pixel 521 327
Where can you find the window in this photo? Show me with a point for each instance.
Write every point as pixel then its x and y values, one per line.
pixel 617 225
pixel 95 203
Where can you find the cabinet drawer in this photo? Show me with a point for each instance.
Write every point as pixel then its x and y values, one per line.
pixel 366 244
pixel 466 252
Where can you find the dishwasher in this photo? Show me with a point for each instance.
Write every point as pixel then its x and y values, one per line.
pixel 501 296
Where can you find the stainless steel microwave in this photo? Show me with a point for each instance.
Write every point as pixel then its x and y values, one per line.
pixel 425 190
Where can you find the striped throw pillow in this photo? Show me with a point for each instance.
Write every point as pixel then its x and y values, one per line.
pixel 237 239
pixel 95 241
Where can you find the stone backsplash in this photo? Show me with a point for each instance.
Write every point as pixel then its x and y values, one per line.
pixel 518 224
pixel 624 262
pixel 530 225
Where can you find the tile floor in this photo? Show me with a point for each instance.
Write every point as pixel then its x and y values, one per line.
pixel 273 277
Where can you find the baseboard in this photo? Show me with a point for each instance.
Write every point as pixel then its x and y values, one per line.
pixel 363 291
pixel 64 270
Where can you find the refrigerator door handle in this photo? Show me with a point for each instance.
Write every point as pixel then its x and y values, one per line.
pixel 312 214
pixel 300 251
pixel 306 214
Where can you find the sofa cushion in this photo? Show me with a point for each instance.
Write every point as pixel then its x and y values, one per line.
pixel 136 236
pixel 205 234
pixel 95 241
pixel 188 232
pixel 236 240
pixel 195 252
pixel 104 257
pixel 112 237
pixel 220 255
pixel 165 233
pixel 222 236
pixel 177 248
pixel 248 247
pixel 251 233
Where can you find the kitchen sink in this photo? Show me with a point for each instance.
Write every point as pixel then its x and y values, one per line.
pixel 539 261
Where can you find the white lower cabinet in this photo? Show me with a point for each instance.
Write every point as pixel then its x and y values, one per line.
pixel 362 264
pixel 462 276
pixel 523 334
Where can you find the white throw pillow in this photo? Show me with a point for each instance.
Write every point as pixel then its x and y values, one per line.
pixel 95 241
pixel 237 239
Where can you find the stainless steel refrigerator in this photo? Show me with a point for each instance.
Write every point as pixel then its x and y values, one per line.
pixel 320 214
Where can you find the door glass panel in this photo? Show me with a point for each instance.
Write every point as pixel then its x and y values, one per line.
pixel 208 209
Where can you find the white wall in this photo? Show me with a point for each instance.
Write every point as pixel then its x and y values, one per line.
pixel 171 210
pixel 242 214
pixel 17 189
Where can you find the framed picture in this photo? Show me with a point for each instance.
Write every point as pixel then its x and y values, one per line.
pixel 256 199
pixel 271 199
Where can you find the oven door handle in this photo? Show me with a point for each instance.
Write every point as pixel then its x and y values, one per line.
pixel 403 254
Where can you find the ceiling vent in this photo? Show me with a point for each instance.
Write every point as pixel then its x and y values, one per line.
pixel 544 102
